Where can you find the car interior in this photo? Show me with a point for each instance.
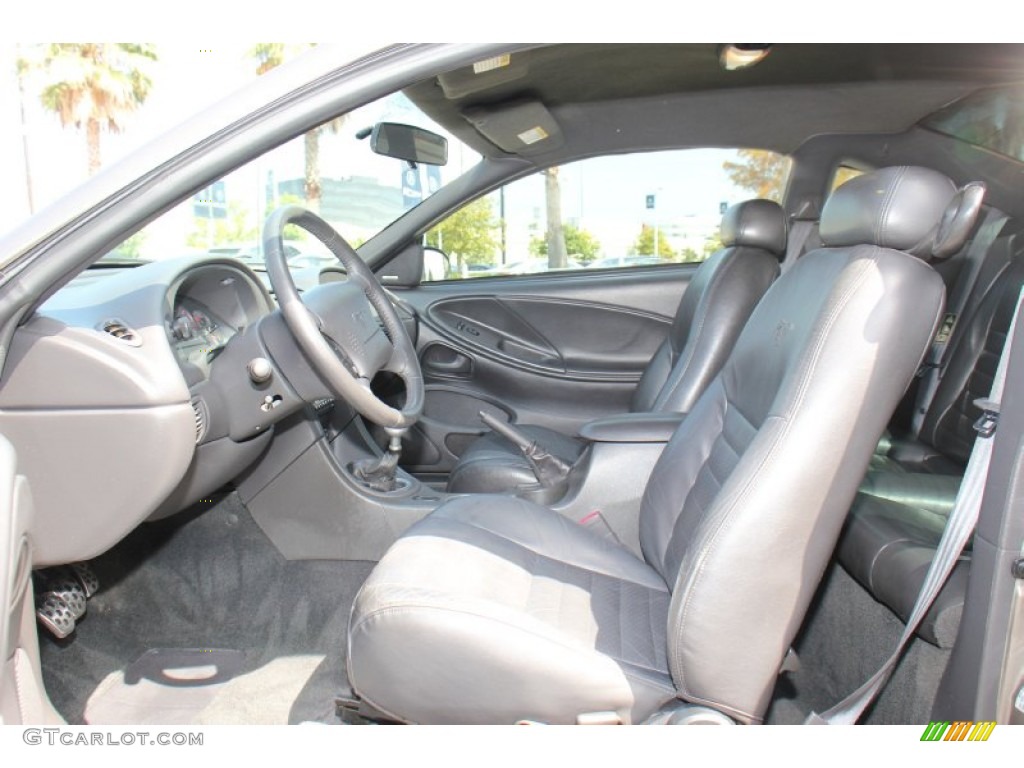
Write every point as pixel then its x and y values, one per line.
pixel 408 487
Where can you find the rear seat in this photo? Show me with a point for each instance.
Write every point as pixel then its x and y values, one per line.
pixel 926 470
pixel 897 520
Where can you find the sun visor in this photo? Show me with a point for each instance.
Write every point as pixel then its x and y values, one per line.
pixel 484 75
pixel 526 128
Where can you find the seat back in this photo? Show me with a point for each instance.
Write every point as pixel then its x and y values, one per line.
pixel 976 346
pixel 744 506
pixel 715 307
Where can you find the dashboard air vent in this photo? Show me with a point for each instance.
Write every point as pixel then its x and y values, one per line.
pixel 119 330
pixel 200 412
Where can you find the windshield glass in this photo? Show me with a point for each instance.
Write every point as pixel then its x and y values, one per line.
pixel 330 169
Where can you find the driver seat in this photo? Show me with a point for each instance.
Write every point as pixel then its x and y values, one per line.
pixel 713 310
pixel 494 610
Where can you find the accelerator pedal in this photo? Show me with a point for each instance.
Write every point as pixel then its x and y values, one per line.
pixel 86 577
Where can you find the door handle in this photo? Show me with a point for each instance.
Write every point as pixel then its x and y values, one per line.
pixel 442 360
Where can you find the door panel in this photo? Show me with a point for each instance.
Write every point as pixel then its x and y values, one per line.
pixel 23 699
pixel 557 350
pixel 587 340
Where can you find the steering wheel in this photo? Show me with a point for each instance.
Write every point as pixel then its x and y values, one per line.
pixel 335 326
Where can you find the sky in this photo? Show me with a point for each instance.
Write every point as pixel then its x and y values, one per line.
pixel 186 78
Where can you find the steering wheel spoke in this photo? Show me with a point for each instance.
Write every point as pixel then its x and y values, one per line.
pixel 337 326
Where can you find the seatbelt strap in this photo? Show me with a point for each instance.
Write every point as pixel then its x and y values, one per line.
pixel 958 530
pixel 799 231
pixel 933 367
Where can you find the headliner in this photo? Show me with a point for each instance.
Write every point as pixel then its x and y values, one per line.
pixel 618 98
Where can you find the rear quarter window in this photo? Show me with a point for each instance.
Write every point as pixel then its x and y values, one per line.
pixel 992 118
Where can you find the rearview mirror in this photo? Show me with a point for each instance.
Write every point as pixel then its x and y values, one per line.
pixel 407 142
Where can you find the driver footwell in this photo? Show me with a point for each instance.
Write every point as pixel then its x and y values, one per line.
pixel 200 620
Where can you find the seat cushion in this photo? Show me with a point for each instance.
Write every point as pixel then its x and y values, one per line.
pixel 936 493
pixel 888 548
pixel 491 464
pixel 493 610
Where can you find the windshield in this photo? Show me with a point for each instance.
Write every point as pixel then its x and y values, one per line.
pixel 330 170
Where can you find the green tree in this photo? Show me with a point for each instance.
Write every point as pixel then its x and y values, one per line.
pixel 760 171
pixel 131 248
pixel 92 86
pixel 471 234
pixel 269 56
pixel 238 226
pixel 644 244
pixel 712 244
pixel 579 244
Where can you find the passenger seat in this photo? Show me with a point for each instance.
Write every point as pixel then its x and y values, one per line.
pixel 715 307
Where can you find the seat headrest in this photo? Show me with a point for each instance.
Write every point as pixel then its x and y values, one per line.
pixel 898 208
pixel 956 224
pixel 755 224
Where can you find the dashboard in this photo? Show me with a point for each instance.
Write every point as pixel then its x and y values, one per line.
pixel 208 307
pixel 197 334
pixel 132 393
pixel 128 396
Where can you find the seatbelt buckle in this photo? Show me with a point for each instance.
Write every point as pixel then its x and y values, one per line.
pixel 987 423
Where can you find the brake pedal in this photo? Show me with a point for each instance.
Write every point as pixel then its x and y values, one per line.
pixel 55 615
pixel 86 577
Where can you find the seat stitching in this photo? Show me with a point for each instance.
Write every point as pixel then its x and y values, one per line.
pixel 534 552
pixel 740 495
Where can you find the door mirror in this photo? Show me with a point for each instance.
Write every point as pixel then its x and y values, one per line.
pixel 407 142
pixel 436 264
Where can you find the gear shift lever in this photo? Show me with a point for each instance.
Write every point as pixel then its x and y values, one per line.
pixel 379 473
pixel 549 470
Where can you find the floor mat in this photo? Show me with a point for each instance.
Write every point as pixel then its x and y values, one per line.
pixel 208 579
pixel 163 686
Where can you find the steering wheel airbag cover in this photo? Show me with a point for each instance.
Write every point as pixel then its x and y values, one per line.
pixel 342 313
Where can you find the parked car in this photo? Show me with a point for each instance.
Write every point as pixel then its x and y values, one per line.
pixel 525 267
pixel 254 507
pixel 249 253
pixel 307 260
pixel 615 262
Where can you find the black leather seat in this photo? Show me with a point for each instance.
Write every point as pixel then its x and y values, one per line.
pixel 946 436
pixel 493 609
pixel 712 312
pixel 895 525
pixel 925 471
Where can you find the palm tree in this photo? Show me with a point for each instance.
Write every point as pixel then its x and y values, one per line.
pixel 269 56
pixel 557 258
pixel 93 86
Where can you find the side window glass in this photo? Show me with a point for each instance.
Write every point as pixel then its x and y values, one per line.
pixel 843 174
pixel 992 118
pixel 619 212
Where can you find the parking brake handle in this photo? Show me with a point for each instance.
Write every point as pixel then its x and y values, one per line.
pixel 549 470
